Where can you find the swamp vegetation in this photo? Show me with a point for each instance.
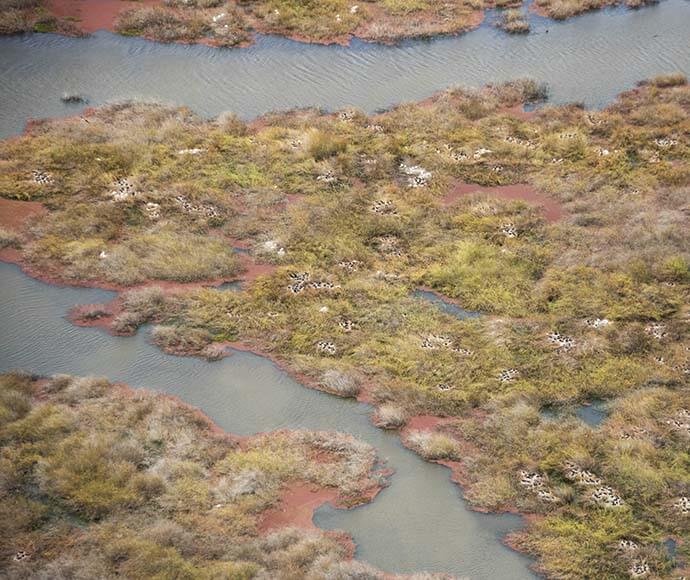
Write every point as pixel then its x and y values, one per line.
pixel 354 214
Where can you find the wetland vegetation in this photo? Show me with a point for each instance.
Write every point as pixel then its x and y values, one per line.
pixel 98 480
pixel 348 215
pixel 233 23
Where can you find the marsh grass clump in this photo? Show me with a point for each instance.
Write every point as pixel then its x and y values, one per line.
pixel 97 479
pixel 433 445
pixel 390 416
pixel 72 98
pixel 670 80
pixel 182 341
pixel 341 383
pixel 513 21
pixel 8 239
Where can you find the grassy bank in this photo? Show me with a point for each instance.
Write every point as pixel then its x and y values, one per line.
pixel 357 212
pixel 233 24
pixel 101 481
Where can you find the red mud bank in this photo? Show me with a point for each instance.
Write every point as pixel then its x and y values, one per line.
pixel 296 509
pixel 297 505
pixel 14 213
pixel 92 15
pixel 553 211
pixel 299 501
pixel 424 423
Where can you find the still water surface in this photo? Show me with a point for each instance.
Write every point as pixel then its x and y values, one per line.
pixel 590 58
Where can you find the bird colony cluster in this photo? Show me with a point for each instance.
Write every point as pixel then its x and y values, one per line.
pixel 509 230
pixel 301 281
pixel 202 209
pixel 508 375
pixel 521 142
pixel 665 142
pixel 560 341
pixel 124 189
pixel 389 245
pixel 658 331
pixel 350 265
pixel 603 495
pixel 682 505
pixel 327 176
pixel 638 568
pixel 384 207
pixel 41 177
pixel 326 347
pixel 536 483
pixel 597 322
pixel 416 176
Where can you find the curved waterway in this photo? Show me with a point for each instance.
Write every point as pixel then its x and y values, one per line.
pixel 590 58
pixel 418 523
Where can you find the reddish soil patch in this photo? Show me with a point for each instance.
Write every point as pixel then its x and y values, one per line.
pixel 95 315
pixel 91 15
pixel 425 422
pixel 553 211
pixel 253 270
pixel 14 213
pixel 534 8
pixel 297 505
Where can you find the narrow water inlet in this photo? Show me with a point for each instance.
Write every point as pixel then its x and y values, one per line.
pixel 592 413
pixel 445 305
pixel 246 394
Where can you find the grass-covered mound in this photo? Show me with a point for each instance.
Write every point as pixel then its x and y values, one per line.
pixel 357 212
pixel 18 16
pixel 562 9
pixel 98 481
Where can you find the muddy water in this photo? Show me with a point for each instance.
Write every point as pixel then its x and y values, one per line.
pixel 589 58
pixel 418 523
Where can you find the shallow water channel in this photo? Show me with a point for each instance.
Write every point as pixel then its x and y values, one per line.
pixel 418 523
pixel 589 58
